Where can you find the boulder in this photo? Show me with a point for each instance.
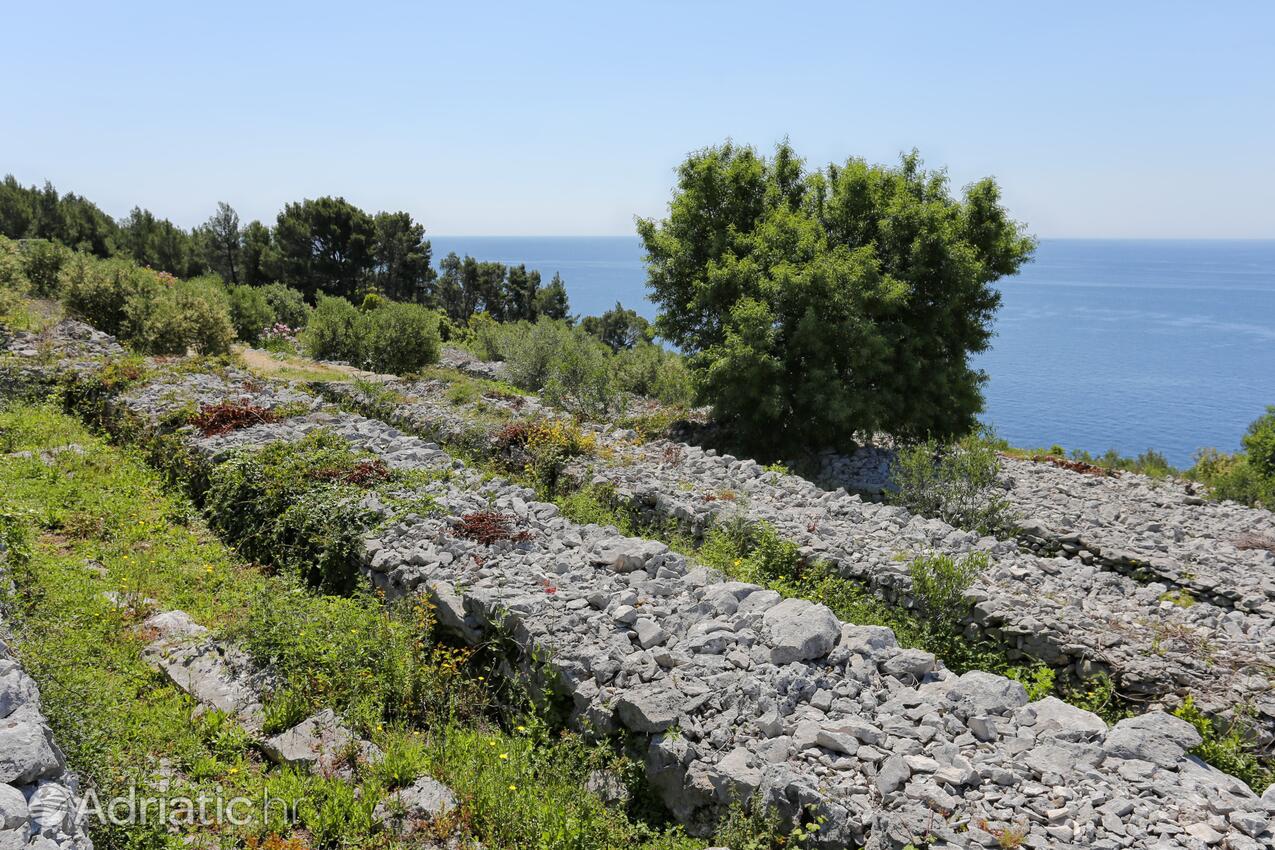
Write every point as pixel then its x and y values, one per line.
pixel 320 741
pixel 25 753
pixel 1156 737
pixel 649 709
pixel 799 630
pixel 1062 720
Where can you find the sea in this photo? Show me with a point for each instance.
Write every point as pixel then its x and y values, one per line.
pixel 1100 343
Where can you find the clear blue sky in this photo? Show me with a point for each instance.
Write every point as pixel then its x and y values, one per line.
pixel 1133 119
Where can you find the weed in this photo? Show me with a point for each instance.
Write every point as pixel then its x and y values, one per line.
pixel 488 527
pixel 213 420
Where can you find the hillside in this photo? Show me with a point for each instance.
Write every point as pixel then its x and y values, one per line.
pixel 746 634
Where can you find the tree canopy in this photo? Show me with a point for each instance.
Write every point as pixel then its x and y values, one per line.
pixel 818 306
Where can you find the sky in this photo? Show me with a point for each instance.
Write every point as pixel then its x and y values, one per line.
pixel 1130 119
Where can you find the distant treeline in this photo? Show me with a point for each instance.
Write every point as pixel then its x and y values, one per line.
pixel 321 246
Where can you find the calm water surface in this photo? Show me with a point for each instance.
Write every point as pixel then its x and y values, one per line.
pixel 1100 344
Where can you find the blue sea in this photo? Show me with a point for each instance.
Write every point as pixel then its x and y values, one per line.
pixel 1124 344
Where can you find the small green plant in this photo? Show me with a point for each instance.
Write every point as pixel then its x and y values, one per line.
pixel 1231 750
pixel 956 483
pixel 1181 598
pixel 939 584
pixel 284 709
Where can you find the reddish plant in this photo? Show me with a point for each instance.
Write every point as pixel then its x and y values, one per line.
pixel 487 527
pixel 365 473
pixel 215 419
pixel 1249 540
pixel 1077 466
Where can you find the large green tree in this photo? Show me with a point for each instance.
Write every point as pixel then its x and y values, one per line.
pixel 818 306
pixel 325 245
pixel 222 242
pixel 401 257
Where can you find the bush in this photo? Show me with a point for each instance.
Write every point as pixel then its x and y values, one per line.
pixel 287 303
pixel 939 583
pixel 1259 444
pixel 646 369
pixel 531 352
pixel 819 304
pixel 96 291
pixel 42 262
pixel 334 331
pixel 400 338
pixel 956 483
pixel 1232 477
pixel 250 312
pixel 279 505
pixel 170 317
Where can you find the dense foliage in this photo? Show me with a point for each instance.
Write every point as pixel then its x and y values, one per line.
pixel 389 336
pixel 317 246
pixel 817 305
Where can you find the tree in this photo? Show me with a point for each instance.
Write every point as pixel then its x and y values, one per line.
pixel 551 300
pixel 222 243
pixel 448 293
pixel 17 209
pixel 820 305
pixel 258 256
pixel 401 257
pixel 325 245
pixel 619 328
pixel 521 288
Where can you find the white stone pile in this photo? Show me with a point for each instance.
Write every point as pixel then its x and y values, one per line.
pixel 739 692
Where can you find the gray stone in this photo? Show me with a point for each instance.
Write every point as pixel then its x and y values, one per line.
pixel 1061 720
pixel 977 693
pixel 892 775
pixel 319 742
pixel 649 633
pixel 649 709
pixel 25 754
pixel 13 807
pixel 800 630
pixel 909 662
pixel 1157 737
pixel 413 808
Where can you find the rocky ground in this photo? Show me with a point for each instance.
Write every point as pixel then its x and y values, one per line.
pixel 1078 613
pixel 735 691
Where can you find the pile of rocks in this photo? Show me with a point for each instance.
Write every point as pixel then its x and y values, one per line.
pixel 39 796
pixel 1069 613
pixel 739 692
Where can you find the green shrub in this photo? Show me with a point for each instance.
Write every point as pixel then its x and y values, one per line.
pixel 42 262
pixel 250 312
pixel 819 304
pixel 172 316
pixel 1259 444
pixel 334 331
pixel 1230 751
pixel 532 352
pixel 373 663
pixel 956 483
pixel 287 303
pixel 580 381
pixel 646 369
pixel 287 504
pixel 1232 477
pixel 400 338
pixel 96 291
pixel 939 584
